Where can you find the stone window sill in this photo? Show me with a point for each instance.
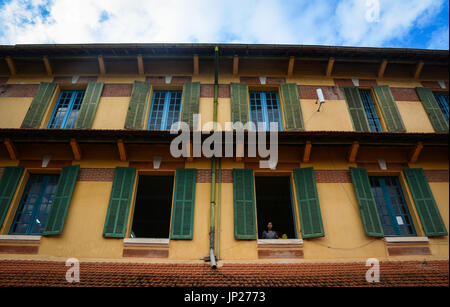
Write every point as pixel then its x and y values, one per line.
pixel 22 239
pixel 128 242
pixel 280 243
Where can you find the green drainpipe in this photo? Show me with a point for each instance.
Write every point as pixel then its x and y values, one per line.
pixel 212 220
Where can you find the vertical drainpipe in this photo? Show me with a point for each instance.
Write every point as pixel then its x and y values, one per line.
pixel 212 221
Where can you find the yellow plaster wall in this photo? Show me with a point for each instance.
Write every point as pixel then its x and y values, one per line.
pixel 440 246
pixel 414 116
pixel 29 80
pixel 333 116
pixel 13 111
pixel 120 79
pixel 111 113
pixel 399 83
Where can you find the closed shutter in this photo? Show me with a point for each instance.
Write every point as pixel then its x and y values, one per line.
pixel 39 105
pixel 292 109
pixel 308 203
pixel 89 105
pixel 431 219
pixel 119 202
pixel 8 185
pixel 138 104
pixel 183 204
pixel 239 103
pixel 367 205
pixel 432 108
pixel 61 202
pixel 190 103
pixel 356 108
pixel 244 205
pixel 389 109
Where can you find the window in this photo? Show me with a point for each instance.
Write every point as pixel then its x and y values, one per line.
pixel 35 205
pixel 152 207
pixel 265 108
pixel 165 110
pixel 66 110
pixel 392 207
pixel 442 100
pixel 369 107
pixel 274 204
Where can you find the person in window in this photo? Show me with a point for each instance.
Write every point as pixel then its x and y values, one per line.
pixel 269 234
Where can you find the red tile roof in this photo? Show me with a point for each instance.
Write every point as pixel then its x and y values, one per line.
pixel 395 273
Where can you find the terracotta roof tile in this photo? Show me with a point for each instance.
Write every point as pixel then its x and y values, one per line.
pixel 396 273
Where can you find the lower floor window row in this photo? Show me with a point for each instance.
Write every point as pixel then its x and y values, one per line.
pixel 265 207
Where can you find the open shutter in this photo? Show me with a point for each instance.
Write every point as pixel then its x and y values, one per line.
pixel 183 204
pixel 8 185
pixel 244 205
pixel 138 104
pixel 356 108
pixel 432 108
pixel 292 109
pixel 190 102
pixel 61 202
pixel 239 103
pixel 432 222
pixel 89 105
pixel 367 205
pixel 119 202
pixel 39 105
pixel 308 203
pixel 389 109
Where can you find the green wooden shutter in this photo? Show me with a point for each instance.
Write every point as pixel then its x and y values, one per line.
pixel 138 104
pixel 39 105
pixel 89 105
pixel 119 202
pixel 190 102
pixel 432 108
pixel 308 203
pixel 8 185
pixel 61 202
pixel 184 204
pixel 292 109
pixel 244 205
pixel 239 103
pixel 389 109
pixel 432 222
pixel 367 205
pixel 356 108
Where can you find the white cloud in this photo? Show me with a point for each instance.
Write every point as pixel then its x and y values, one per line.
pixel 439 39
pixel 321 22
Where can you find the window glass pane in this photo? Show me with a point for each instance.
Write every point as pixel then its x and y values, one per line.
pixel 34 207
pixel 156 113
pixel 66 109
pixel 372 116
pixel 75 109
pixel 264 108
pixel 442 100
pixel 173 109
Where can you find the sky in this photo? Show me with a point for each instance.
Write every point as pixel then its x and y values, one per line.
pixel 422 24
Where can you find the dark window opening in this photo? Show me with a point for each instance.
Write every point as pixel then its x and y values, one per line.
pixel 152 208
pixel 442 100
pixel 274 204
pixel 369 107
pixel 392 207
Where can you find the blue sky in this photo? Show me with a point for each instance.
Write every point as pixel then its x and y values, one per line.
pixel 420 24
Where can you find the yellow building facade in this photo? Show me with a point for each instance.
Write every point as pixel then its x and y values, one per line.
pixel 362 174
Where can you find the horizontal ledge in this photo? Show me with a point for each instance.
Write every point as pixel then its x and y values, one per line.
pixel 19 239
pixel 146 242
pixel 280 243
pixel 405 240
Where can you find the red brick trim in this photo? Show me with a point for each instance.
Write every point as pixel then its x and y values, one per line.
pixel 18 90
pixel 162 79
pixel 3 80
pixel 146 253
pixel 204 176
pixel 96 174
pixel 68 80
pixel 390 166
pixel 51 164
pixel 19 249
pixel 332 176
pixel 437 175
pixel 117 90
pixel 404 94
pixel 281 166
pixel 432 84
pixel 1 172
pixel 349 82
pixel 256 81
pixel 164 165
pixel 403 251
pixel 329 92
pixel 207 91
pixel 277 253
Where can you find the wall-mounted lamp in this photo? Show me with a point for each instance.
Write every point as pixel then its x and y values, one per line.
pixel 45 160
pixel 262 80
pixel 320 98
pixel 168 79
pixel 355 81
pixel 75 79
pixel 382 164
pixel 442 84
pixel 156 162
